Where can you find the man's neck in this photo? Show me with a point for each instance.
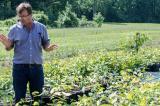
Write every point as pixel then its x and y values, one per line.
pixel 29 25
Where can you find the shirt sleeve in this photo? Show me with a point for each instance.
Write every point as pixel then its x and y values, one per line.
pixel 45 38
pixel 11 35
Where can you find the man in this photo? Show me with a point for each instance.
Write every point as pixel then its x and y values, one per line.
pixel 28 38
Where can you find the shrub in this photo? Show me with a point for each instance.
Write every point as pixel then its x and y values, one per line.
pixel 134 43
pixel 98 19
pixel 41 17
pixel 83 22
pixel 67 18
pixel 9 22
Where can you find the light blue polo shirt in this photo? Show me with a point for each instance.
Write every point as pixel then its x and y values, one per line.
pixel 28 44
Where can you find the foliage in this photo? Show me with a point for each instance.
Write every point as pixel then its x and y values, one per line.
pixel 98 19
pixel 41 17
pixel 67 18
pixel 135 43
pixel 120 70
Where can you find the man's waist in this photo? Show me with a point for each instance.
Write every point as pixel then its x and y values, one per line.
pixel 27 64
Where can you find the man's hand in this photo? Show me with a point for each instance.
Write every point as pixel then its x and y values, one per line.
pixel 5 41
pixel 51 47
pixel 3 38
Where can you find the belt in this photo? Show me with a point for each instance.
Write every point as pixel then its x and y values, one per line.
pixel 28 65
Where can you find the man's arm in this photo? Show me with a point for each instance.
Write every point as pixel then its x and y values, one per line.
pixel 50 47
pixel 6 42
pixel 46 41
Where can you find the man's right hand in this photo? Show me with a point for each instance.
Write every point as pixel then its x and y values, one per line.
pixel 3 38
pixel 5 41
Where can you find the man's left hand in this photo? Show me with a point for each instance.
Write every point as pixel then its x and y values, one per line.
pixel 51 47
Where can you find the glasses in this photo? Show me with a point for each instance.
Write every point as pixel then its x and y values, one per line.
pixel 23 16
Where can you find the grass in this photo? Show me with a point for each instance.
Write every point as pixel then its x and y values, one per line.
pixel 74 40
pixel 107 37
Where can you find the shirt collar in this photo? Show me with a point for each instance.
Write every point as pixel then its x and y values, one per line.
pixel 20 25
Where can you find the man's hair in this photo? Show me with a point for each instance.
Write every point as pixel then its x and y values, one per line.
pixel 24 6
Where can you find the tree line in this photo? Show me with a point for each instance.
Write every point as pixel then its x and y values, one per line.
pixel 112 10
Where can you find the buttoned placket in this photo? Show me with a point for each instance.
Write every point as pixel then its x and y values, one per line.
pixel 30 46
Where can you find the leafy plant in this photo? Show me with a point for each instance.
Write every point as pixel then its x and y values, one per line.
pixel 98 19
pixel 67 18
pixel 135 43
pixel 41 17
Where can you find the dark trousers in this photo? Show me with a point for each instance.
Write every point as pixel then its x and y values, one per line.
pixel 24 73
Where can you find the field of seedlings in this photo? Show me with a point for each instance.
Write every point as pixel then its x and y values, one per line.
pixel 107 66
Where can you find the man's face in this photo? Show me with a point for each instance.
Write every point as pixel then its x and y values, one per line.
pixel 25 18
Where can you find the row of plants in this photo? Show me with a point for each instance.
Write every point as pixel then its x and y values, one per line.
pixel 122 71
pixel 119 69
